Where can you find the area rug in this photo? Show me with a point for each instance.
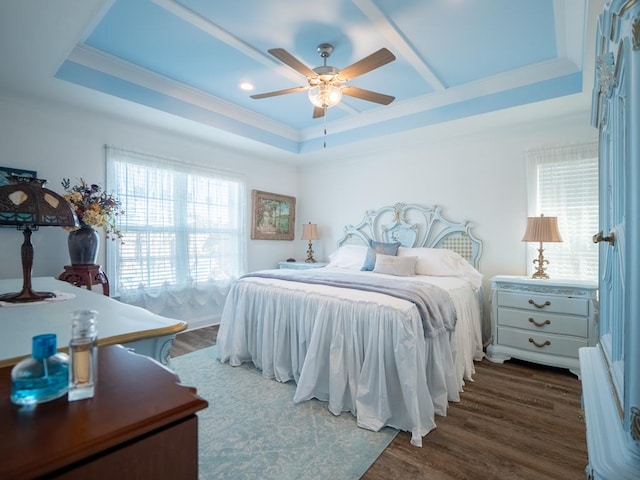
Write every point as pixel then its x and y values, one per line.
pixel 253 429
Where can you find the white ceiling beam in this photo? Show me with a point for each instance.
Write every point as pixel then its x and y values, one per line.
pixel 221 34
pixel 116 67
pixel 386 27
pixel 571 29
pixel 560 21
pixel 520 77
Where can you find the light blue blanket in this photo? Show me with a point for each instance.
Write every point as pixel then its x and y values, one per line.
pixel 433 303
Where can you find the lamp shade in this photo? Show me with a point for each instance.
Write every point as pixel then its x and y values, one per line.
pixel 26 204
pixel 310 231
pixel 542 229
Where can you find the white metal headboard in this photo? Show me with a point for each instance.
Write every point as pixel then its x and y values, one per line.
pixel 415 226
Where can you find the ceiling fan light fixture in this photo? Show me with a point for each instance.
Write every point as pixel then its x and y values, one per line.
pixel 325 95
pixel 326 84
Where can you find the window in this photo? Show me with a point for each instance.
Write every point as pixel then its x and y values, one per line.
pixel 563 182
pixel 183 231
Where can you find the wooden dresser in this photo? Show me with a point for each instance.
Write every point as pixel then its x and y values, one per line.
pixel 140 424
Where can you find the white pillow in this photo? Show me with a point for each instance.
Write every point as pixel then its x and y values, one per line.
pixel 348 256
pixel 392 265
pixel 442 262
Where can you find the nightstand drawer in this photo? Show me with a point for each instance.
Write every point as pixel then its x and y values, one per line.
pixel 543 322
pixel 541 343
pixel 539 302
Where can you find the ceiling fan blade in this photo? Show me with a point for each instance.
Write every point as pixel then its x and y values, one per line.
pixel 367 95
pixel 279 92
pixel 373 61
pixel 318 112
pixel 291 61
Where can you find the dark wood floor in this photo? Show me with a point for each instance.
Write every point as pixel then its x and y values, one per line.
pixel 516 421
pixel 194 340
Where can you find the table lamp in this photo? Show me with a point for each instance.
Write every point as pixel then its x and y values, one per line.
pixel 27 205
pixel 310 232
pixel 541 229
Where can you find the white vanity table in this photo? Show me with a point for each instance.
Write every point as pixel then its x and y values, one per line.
pixel 118 323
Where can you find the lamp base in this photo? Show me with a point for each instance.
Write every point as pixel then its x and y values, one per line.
pixel 310 258
pixel 26 295
pixel 541 269
pixel 540 274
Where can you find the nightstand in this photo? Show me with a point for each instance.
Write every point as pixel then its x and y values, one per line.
pixel 301 265
pixel 542 320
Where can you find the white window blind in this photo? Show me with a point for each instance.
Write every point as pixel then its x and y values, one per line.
pixel 183 231
pixel 563 182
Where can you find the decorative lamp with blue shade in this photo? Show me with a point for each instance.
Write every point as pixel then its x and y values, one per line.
pixel 27 205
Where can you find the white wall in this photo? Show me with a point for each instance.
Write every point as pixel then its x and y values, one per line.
pixel 477 176
pixel 62 142
pixel 480 177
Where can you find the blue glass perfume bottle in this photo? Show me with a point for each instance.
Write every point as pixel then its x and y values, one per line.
pixel 42 377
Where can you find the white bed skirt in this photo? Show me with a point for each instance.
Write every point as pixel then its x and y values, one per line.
pixel 366 354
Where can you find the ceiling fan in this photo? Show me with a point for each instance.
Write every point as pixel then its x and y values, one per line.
pixel 326 83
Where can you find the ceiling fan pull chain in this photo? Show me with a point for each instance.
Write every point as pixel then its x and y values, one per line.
pixel 324 140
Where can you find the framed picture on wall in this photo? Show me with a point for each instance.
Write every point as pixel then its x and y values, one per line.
pixel 273 216
pixel 6 172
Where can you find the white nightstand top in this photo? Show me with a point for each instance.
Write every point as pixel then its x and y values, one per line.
pixel 541 282
pixel 301 265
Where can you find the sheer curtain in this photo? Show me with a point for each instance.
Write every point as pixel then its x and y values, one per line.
pixel 184 238
pixel 563 182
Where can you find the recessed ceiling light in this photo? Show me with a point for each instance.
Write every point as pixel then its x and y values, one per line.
pixel 246 86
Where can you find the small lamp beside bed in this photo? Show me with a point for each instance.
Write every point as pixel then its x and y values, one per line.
pixel 541 229
pixel 310 232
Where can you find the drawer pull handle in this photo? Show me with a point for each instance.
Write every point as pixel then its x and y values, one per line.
pixel 539 345
pixel 538 324
pixel 538 305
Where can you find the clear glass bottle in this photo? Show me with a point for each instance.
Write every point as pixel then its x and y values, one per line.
pixel 83 353
pixel 42 377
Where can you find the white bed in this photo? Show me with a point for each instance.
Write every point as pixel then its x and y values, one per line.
pixel 362 351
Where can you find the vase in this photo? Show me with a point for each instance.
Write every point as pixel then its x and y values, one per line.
pixel 83 245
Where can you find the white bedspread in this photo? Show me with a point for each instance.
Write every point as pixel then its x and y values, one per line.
pixel 360 351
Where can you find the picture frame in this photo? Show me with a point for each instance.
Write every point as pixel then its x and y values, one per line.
pixel 273 216
pixel 6 172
